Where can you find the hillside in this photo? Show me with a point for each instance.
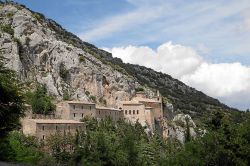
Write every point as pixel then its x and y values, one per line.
pixel 41 51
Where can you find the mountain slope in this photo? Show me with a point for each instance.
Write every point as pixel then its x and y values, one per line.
pixel 41 51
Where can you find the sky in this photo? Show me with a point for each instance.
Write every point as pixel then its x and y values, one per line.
pixel 205 44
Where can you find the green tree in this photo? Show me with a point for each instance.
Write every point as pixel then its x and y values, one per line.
pixel 41 103
pixel 11 108
pixel 11 100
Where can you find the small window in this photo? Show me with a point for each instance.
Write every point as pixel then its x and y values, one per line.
pixel 69 128
pixel 74 114
pixel 82 107
pixel 90 108
pixel 74 107
pixel 43 137
pixel 82 115
pixel 133 111
pixel 56 127
pixel 99 112
pixel 137 111
pixel 43 127
pixel 126 112
pixel 129 112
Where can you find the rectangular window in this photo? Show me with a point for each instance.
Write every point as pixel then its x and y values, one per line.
pixel 43 127
pixel 74 107
pixel 69 128
pixel 43 137
pixel 126 112
pixel 90 108
pixel 137 111
pixel 99 112
pixel 82 115
pixel 82 107
pixel 56 127
pixel 133 111
pixel 129 112
pixel 74 114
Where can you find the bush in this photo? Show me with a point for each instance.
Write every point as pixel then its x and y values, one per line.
pixel 9 15
pixel 66 95
pixel 87 93
pixel 92 98
pixel 38 16
pixel 7 29
pixel 63 71
pixel 39 100
pixel 140 89
pixel 82 59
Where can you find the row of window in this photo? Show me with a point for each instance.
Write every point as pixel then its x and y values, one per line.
pixel 74 114
pixel 116 113
pixel 74 107
pixel 43 127
pixel 130 112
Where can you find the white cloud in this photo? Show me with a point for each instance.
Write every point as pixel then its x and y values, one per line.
pixel 176 60
pixel 222 80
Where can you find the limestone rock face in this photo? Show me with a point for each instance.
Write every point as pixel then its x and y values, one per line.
pixel 177 129
pixel 34 51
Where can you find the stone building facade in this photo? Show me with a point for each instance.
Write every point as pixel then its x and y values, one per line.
pixel 75 110
pixel 43 128
pixel 69 113
pixel 104 112
pixel 155 103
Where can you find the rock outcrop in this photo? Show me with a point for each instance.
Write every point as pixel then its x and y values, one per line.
pixel 41 51
pixel 32 49
pixel 181 128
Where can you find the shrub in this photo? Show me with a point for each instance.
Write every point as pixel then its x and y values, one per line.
pixel 38 16
pixel 63 71
pixel 27 41
pixel 87 93
pixel 140 89
pixel 66 95
pixel 9 15
pixel 82 58
pixel 7 29
pixel 92 98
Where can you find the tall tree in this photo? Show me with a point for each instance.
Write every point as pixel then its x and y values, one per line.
pixel 11 108
pixel 11 100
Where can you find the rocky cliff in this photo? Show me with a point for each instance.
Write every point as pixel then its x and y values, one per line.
pixel 31 46
pixel 41 51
